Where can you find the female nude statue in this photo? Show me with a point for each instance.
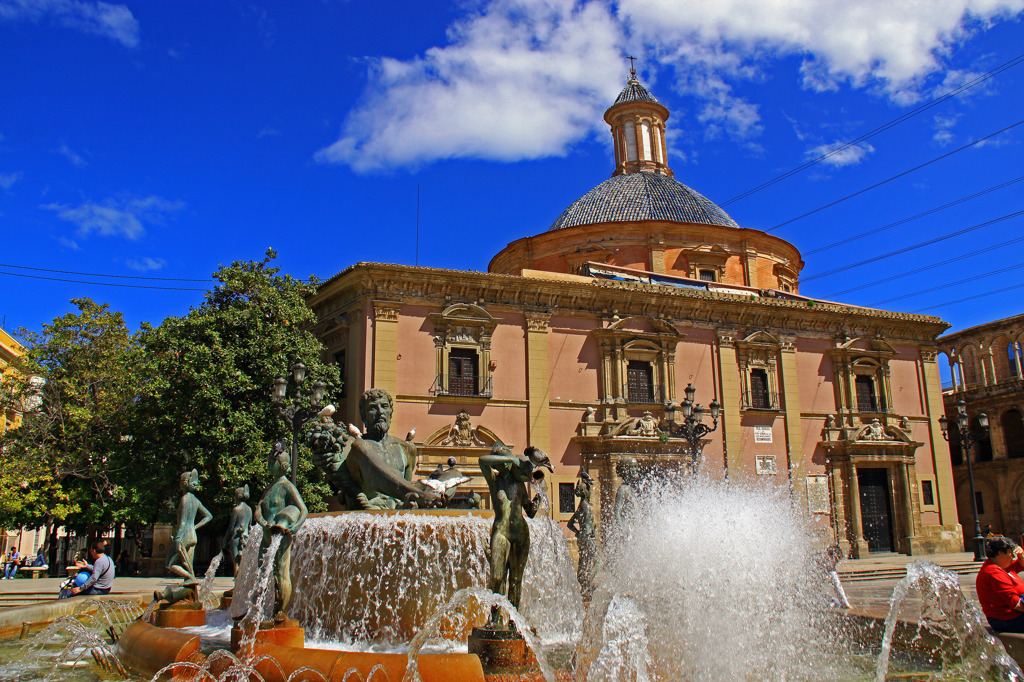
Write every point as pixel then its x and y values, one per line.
pixel 183 542
pixel 281 512
pixel 507 476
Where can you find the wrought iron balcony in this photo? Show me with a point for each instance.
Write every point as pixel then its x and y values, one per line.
pixel 452 384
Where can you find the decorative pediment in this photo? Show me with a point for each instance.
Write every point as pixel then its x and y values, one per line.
pixel 761 338
pixel 876 432
pixel 867 345
pixel 645 426
pixel 643 325
pixel 462 434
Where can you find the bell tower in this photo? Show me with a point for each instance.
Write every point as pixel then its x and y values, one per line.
pixel 637 120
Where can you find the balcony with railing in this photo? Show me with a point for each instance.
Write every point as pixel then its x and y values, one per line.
pixel 462 385
pixel 764 399
pixel 644 394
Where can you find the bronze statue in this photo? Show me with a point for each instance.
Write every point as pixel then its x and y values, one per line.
pixel 184 539
pixel 238 527
pixel 507 476
pixel 372 470
pixel 281 512
pixel 582 524
pixel 628 471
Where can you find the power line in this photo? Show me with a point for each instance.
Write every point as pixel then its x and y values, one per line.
pixel 102 284
pixel 973 278
pixel 915 271
pixel 971 298
pixel 898 175
pixel 913 217
pixel 882 128
pixel 927 242
pixel 96 274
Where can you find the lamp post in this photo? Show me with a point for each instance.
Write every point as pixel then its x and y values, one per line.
pixel 967 441
pixel 692 428
pixel 295 415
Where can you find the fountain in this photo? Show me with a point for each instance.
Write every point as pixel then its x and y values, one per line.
pixel 700 580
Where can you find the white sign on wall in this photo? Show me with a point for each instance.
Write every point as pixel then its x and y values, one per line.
pixel 817 494
pixel 765 465
pixel 762 434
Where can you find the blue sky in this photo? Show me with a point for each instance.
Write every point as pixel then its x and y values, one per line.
pixel 162 139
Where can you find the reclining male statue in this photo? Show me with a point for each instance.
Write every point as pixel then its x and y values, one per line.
pixel 371 470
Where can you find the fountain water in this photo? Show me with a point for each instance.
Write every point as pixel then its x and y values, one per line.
pixel 205 589
pixel 372 580
pixel 722 575
pixel 963 644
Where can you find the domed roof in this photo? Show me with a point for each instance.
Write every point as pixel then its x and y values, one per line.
pixel 635 92
pixel 642 196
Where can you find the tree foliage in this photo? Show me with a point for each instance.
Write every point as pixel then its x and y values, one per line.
pixel 75 387
pixel 121 415
pixel 207 402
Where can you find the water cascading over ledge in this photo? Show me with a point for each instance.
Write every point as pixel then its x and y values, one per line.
pixel 373 579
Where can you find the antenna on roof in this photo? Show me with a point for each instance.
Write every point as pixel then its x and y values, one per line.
pixel 632 68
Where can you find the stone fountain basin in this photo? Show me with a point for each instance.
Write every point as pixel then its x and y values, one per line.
pixel 146 649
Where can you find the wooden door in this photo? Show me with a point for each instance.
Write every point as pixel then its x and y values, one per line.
pixel 875 514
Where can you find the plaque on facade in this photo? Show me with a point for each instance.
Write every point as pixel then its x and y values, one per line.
pixel 765 465
pixel 762 434
pixel 817 494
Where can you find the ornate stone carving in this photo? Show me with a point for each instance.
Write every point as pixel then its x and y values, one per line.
pixel 463 434
pixel 646 426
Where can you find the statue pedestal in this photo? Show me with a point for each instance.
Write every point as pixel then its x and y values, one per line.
pixel 286 632
pixel 500 649
pixel 181 615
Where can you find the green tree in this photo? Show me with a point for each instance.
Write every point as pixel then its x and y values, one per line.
pixel 75 386
pixel 207 402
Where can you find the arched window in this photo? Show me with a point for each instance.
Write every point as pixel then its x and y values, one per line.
pixel 1015 359
pixel 1013 433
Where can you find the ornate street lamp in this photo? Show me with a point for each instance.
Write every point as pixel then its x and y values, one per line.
pixel 295 415
pixel 967 441
pixel 692 428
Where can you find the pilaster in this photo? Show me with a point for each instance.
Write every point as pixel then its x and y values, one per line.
pixel 538 374
pixel 729 378
pixel 945 490
pixel 385 345
pixel 794 426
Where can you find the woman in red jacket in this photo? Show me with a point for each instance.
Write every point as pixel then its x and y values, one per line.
pixel 999 587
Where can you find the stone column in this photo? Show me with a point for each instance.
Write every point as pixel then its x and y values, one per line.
pixel 840 520
pixel 385 346
pixel 728 376
pixel 910 542
pixel 794 426
pixel 538 374
pixel 860 545
pixel 1016 358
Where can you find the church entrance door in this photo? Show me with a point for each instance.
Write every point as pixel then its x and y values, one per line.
pixel 876 518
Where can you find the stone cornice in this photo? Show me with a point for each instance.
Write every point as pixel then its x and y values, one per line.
pixel 684 307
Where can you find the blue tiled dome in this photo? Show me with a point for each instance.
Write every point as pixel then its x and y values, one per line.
pixel 634 92
pixel 642 196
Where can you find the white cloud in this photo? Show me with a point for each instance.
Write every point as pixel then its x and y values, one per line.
pixel 118 217
pixel 839 155
pixel 68 243
pixel 894 44
pixel 98 18
pixel 70 155
pixel 523 79
pixel 7 180
pixel 944 129
pixel 520 79
pixel 145 264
